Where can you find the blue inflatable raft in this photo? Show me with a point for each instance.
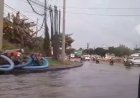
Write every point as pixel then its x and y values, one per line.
pixel 35 66
pixel 6 67
pixel 28 62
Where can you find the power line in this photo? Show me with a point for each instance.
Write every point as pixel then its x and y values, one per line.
pixel 41 25
pixel 14 10
pixel 70 12
pixel 34 9
pixel 101 14
pixel 9 7
pixel 109 8
pixel 41 4
pixel 38 3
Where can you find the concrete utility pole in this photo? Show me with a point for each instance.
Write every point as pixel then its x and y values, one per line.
pixel 47 46
pixel 1 22
pixel 59 26
pixel 45 6
pixel 63 33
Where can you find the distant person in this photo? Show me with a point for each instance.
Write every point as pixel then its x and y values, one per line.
pixel 37 58
pixel 97 60
pixel 93 58
pixel 111 61
pixel 125 60
pixel 15 55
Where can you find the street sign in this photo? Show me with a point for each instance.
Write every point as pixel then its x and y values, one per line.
pixel 78 52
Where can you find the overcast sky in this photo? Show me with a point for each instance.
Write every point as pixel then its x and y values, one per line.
pixel 95 21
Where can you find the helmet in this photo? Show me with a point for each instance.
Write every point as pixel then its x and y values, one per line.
pixel 22 50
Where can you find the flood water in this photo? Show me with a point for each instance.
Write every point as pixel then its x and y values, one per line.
pixel 89 81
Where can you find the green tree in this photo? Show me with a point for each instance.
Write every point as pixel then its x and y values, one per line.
pixel 122 51
pixel 136 50
pixel 111 50
pixel 100 51
pixel 89 51
pixel 19 31
pixel 69 51
pixel 68 40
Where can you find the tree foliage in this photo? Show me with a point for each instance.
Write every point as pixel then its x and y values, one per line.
pixel 136 50
pixel 68 40
pixel 18 31
pixel 122 51
pixel 70 50
pixel 88 51
pixel 100 51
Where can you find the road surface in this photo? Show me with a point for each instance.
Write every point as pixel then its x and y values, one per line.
pixel 90 81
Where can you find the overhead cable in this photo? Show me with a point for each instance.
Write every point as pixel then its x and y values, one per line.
pixel 34 9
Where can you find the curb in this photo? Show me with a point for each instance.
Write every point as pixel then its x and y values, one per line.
pixel 65 68
pixel 18 72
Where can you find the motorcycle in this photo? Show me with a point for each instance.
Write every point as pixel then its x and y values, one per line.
pixel 97 62
pixel 111 62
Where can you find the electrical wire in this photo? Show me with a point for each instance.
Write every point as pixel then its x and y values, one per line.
pixel 41 4
pixel 38 3
pixel 41 25
pixel 9 7
pixel 109 8
pixel 34 9
pixel 68 12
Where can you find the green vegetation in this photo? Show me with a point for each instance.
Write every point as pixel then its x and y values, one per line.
pixel 117 51
pixel 120 51
pixel 19 33
pixel 7 45
pixel 68 40
pixel 58 64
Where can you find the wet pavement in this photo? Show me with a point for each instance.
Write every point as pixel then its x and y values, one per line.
pixel 90 81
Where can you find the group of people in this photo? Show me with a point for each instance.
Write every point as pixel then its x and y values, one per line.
pixel 37 58
pixel 17 56
pixel 111 61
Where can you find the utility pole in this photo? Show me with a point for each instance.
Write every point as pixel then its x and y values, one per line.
pixel 63 33
pixel 45 14
pixel 47 48
pixel 59 26
pixel 56 36
pixel 1 22
pixel 87 45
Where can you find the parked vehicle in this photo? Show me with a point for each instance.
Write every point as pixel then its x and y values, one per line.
pixel 133 60
pixel 87 58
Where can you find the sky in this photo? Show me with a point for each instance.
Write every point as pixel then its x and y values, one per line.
pixel 97 22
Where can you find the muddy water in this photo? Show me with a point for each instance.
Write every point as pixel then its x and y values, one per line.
pixel 90 81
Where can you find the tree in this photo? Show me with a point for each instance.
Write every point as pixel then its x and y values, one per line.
pixel 136 50
pixel 18 31
pixel 88 51
pixel 100 51
pixel 69 51
pixel 68 40
pixel 111 50
pixel 122 51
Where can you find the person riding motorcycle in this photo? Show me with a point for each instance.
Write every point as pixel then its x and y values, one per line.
pixel 97 60
pixel 111 61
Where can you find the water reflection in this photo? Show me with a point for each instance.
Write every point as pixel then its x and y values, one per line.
pixel 90 81
pixel 128 67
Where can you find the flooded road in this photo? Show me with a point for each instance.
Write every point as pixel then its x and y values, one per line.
pixel 90 81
